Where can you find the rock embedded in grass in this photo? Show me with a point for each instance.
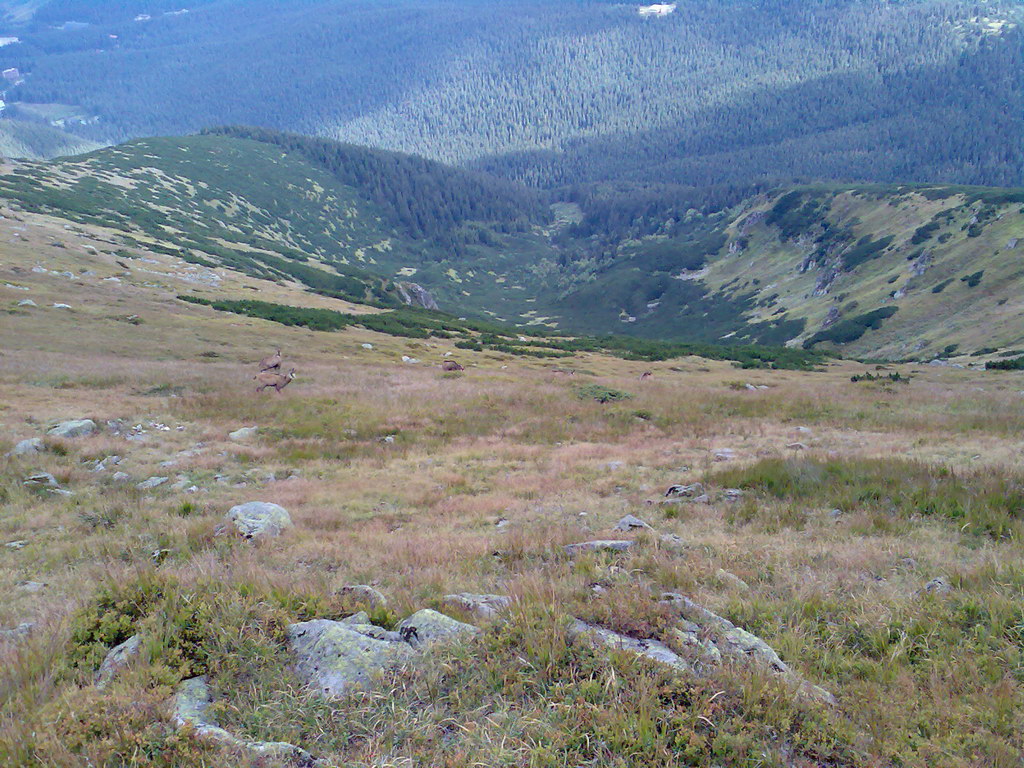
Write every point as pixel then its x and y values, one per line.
pixel 363 593
pixel 118 658
pixel 602 545
pixel 631 523
pixel 938 586
pixel 19 632
pixel 259 518
pixel 191 710
pixel 684 491
pixel 245 433
pixel 151 483
pixel 335 657
pixel 482 606
pixel 74 428
pixel 42 479
pixel 427 627
pixel 29 447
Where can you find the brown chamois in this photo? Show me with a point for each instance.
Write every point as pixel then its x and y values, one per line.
pixel 276 380
pixel 272 363
pixel 451 365
pixel 645 375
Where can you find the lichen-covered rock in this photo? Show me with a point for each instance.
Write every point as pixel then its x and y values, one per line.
pixel 259 518
pixel 481 606
pixel 335 657
pixel 427 627
pixel 191 705
pixel 75 428
pixel 245 433
pixel 118 658
pixel 151 483
pixel 598 546
pixel 42 479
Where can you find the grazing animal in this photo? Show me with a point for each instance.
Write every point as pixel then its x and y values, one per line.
pixel 645 375
pixel 276 380
pixel 272 363
pixel 451 365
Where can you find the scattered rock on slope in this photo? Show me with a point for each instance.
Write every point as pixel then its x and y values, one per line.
pixel 482 606
pixel 245 433
pixel 118 658
pixel 190 710
pixel 75 428
pixel 427 627
pixel 631 523
pixel 334 656
pixel 364 593
pixel 29 447
pixel 259 518
pixel 598 546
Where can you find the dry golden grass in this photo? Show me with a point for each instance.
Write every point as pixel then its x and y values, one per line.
pixel 920 679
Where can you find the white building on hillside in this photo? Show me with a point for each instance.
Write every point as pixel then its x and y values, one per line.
pixel 658 9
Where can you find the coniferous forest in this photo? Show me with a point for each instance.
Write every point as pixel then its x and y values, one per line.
pixel 718 99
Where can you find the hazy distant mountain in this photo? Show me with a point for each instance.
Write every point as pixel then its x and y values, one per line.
pixel 718 93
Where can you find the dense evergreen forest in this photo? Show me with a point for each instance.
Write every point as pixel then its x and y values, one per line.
pixel 694 109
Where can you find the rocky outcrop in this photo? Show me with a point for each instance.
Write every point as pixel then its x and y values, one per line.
pixel 416 296
pixel 631 523
pixel 191 705
pixel 257 519
pixel 29 447
pixel 655 650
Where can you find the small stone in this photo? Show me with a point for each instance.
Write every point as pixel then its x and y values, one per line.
pixel 615 466
pixel 797 447
pixel 363 593
pixel 259 518
pixel 938 586
pixel 732 494
pixel 27 303
pixel 29 447
pixel 75 428
pixel 482 606
pixel 31 586
pixel 16 544
pixel 42 479
pixel 726 454
pixel 120 477
pixel 702 499
pixel 245 433
pixel 598 546
pixel 672 541
pixel 731 580
pixel 62 306
pixel 631 523
pixel 151 483
pixel 20 632
pixel 367 346
pixel 685 491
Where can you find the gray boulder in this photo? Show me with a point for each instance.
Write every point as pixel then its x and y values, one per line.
pixel 938 586
pixel 151 483
pixel 20 632
pixel 245 433
pixel 598 546
pixel 684 491
pixel 118 658
pixel 481 606
pixel 29 447
pixel 427 627
pixel 631 523
pixel 335 657
pixel 259 518
pixel 654 650
pixel 191 705
pixel 76 428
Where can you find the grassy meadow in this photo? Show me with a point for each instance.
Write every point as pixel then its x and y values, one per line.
pixel 857 497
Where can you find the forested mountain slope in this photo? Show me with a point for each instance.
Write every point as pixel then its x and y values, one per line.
pixel 720 93
pixel 894 271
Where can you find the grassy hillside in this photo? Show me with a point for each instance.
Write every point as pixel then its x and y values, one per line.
pixel 21 139
pixel 883 271
pixel 868 531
